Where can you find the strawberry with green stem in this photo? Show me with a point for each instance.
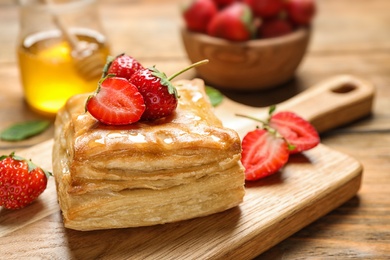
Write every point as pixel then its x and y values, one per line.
pixel 21 181
pixel 159 94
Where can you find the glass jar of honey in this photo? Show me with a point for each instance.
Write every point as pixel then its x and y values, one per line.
pixel 61 52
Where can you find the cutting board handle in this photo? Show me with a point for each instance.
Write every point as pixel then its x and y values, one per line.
pixel 334 102
pixel 329 104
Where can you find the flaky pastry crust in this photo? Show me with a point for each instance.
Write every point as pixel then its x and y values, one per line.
pixel 181 167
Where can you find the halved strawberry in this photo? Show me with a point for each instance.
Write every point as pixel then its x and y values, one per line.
pixel 123 66
pixel 297 131
pixel 116 102
pixel 263 153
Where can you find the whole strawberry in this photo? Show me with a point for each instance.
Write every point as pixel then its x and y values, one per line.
pixel 223 3
pixel 301 12
pixel 266 8
pixel 123 66
pixel 275 27
pixel 198 13
pixel 235 23
pixel 21 181
pixel 159 94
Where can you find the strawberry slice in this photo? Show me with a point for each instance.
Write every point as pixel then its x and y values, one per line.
pixel 297 131
pixel 116 102
pixel 263 153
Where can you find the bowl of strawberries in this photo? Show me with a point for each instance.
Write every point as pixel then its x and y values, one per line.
pixel 250 44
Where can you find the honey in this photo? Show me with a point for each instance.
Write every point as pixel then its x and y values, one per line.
pixel 48 72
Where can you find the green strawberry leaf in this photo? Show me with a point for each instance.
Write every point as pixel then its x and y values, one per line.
pixel 214 95
pixel 21 131
pixel 164 81
pixel 109 61
pixel 271 110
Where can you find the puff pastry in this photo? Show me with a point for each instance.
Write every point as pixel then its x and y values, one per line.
pixel 180 167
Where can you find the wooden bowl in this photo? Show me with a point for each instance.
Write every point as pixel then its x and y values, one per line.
pixel 246 66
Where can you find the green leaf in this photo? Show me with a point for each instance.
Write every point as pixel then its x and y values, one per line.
pixel 215 96
pixel 164 81
pixel 108 63
pixel 271 110
pixel 21 131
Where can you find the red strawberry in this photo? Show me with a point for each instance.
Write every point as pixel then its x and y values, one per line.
pixel 301 11
pixel 263 153
pixel 158 92
pixel 116 102
pixel 265 8
pixel 21 182
pixel 274 28
pixel 223 3
pixel 297 131
pixel 235 23
pixel 122 66
pixel 198 13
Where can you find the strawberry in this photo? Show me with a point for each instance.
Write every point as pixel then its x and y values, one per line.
pixel 266 150
pixel 198 13
pixel 297 131
pixel 116 102
pixel 301 12
pixel 158 92
pixel 122 66
pixel 266 8
pixel 21 181
pixel 263 153
pixel 235 23
pixel 223 3
pixel 274 28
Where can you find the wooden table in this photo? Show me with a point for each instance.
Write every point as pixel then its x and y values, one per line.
pixel 350 36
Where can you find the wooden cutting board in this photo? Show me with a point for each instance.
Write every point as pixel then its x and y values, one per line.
pixel 311 185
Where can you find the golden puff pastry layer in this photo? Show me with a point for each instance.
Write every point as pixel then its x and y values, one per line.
pixel 180 167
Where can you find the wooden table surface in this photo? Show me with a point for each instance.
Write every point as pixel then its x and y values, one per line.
pixel 350 37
